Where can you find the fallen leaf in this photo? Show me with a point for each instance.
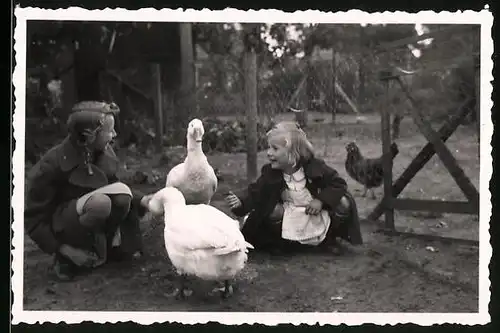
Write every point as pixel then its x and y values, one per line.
pixel 431 249
pixel 50 291
pixel 441 224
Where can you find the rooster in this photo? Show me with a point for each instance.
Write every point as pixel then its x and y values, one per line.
pixel 366 171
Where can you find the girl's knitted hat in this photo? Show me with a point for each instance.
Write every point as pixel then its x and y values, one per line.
pixel 88 116
pixel 96 106
pixel 85 121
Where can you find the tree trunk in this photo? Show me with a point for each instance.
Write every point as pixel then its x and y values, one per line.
pixel 90 59
pixel 69 95
pixel 186 106
pixel 87 71
pixel 187 58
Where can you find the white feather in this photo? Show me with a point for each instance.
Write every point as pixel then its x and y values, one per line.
pixel 200 239
pixel 195 177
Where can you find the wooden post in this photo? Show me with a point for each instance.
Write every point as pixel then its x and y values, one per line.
pixel 185 105
pixel 250 62
pixel 477 78
pixel 158 102
pixel 187 56
pixel 387 161
pixel 68 81
pixel 297 91
pixel 305 96
pixel 443 152
pixel 301 117
pixel 362 70
pixel 334 84
pixel 346 98
pixel 422 158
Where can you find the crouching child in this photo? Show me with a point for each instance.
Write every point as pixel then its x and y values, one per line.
pixel 298 201
pixel 76 209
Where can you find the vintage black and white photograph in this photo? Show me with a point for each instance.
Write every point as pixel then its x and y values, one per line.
pixel 169 163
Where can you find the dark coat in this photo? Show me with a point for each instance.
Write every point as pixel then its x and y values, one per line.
pixel 323 182
pixel 60 177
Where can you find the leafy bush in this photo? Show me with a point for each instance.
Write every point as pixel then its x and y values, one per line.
pixel 230 136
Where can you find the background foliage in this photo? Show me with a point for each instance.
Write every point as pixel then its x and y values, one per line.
pixel 287 54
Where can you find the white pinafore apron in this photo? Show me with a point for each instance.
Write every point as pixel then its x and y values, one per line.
pixel 297 225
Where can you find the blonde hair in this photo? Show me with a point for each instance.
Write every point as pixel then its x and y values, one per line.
pixel 300 149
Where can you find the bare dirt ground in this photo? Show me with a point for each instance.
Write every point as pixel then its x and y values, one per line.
pixel 386 274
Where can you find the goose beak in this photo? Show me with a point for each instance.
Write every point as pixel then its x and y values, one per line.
pixel 198 134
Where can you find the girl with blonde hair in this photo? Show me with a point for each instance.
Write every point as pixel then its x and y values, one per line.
pixel 298 200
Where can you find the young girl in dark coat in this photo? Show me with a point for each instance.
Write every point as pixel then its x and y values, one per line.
pixel 298 200
pixel 76 208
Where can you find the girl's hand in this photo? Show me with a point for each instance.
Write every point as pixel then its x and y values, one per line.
pixel 277 214
pixel 145 200
pixel 314 207
pixel 233 201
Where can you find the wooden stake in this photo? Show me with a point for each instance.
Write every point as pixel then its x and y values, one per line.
pixel 387 163
pixel 251 102
pixel 187 53
pixel 156 69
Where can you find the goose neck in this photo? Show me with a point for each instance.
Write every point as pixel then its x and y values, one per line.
pixel 193 146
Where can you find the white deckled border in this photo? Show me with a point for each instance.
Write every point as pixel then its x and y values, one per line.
pixel 484 17
pixel 242 16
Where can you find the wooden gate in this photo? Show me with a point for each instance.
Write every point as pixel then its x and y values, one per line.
pixel 436 145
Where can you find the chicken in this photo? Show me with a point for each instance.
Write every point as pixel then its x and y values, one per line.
pixel 366 171
pixel 195 177
pixel 200 240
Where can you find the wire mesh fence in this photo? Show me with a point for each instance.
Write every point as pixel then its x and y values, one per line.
pixel 342 95
pixel 438 80
pixel 435 87
pixel 333 89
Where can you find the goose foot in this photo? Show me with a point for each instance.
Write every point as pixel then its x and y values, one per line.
pixel 180 295
pixel 182 292
pixel 226 291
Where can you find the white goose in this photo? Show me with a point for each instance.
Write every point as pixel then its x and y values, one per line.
pixel 195 177
pixel 200 240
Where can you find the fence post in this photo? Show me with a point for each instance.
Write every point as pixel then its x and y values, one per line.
pixel 187 62
pixel 362 70
pixel 305 96
pixel 251 112
pixel 184 103
pixel 386 156
pixel 335 65
pixel 158 102
pixel 477 86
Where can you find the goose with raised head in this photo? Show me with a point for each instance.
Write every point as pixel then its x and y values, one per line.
pixel 194 177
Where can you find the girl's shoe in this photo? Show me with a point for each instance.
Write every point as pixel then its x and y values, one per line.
pixel 63 268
